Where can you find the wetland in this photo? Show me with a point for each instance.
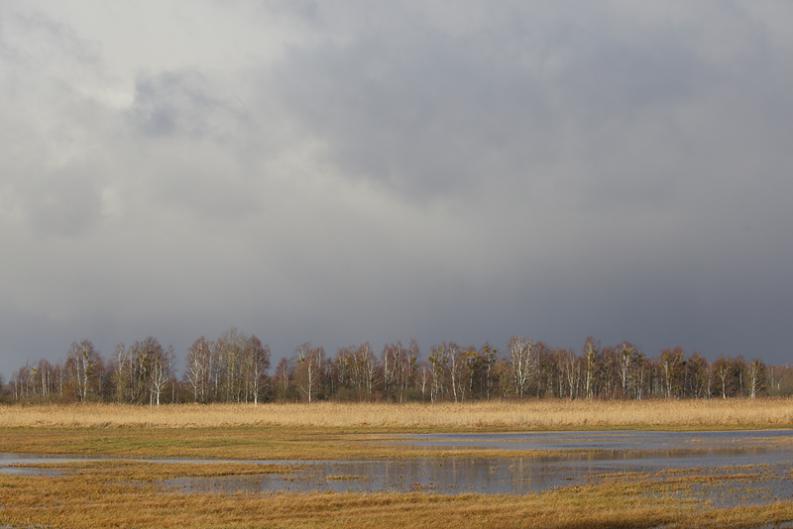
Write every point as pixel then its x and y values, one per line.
pixel 283 475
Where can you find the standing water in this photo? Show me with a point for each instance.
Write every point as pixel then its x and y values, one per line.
pixel 575 458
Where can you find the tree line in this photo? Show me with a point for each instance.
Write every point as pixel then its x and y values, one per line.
pixel 235 368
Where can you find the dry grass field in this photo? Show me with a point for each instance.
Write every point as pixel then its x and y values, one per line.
pixel 412 417
pixel 232 442
pixel 346 431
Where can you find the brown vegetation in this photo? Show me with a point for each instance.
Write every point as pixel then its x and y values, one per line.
pixel 321 430
pixel 409 417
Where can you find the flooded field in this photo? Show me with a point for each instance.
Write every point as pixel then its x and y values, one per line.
pixel 276 477
pixel 740 467
pixel 731 467
pixel 610 440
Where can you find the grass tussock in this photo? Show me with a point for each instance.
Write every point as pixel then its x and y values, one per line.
pixel 475 416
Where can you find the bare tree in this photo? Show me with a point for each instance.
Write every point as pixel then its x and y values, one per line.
pixel 231 346
pixel 258 361
pixel 757 371
pixel 122 373
pixel 161 373
pixel 626 352
pixel 399 368
pixel 157 367
pixel 83 360
pixel 282 379
pixel 309 362
pixel 451 352
pixel 671 362
pixel 521 351
pixel 722 369
pixel 234 368
pixel 197 371
pixel 439 369
pixel 572 371
pixel 424 376
pixel 590 359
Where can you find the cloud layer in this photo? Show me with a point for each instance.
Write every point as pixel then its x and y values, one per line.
pixel 377 170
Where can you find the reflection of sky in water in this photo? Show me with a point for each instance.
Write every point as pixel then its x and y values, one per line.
pixel 612 452
pixel 484 475
pixel 611 440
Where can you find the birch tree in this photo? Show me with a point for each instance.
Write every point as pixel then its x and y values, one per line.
pixel 590 359
pixel 671 361
pixel 722 369
pixel 757 370
pixel 197 369
pixel 521 356
pixel 161 363
pixel 83 361
pixel 309 362
pixel 626 352
pixel 439 369
pixel 258 360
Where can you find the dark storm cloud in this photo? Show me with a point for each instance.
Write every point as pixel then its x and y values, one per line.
pixel 344 172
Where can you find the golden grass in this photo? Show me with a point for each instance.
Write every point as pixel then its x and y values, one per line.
pixel 366 417
pixel 234 443
pixel 102 495
pixel 147 471
pixel 345 431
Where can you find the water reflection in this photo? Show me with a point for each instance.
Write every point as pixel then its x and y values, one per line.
pixel 459 475
pixel 446 475
pixel 618 440
pixel 585 457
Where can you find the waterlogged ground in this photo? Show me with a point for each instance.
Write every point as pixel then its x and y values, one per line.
pixel 561 480
pixel 725 468
pixel 609 440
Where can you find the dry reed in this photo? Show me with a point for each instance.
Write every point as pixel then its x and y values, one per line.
pixel 493 415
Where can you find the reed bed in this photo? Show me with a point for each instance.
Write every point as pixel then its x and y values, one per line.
pixel 475 416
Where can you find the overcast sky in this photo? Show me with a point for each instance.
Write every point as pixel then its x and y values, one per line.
pixel 376 170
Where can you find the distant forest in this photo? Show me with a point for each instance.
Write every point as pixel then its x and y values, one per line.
pixel 235 368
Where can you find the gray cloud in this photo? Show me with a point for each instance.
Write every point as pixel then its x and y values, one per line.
pixel 181 104
pixel 378 171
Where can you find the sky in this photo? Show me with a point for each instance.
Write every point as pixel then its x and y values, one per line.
pixel 373 170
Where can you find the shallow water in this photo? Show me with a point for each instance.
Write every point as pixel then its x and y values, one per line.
pixel 587 457
pixel 618 440
pixel 494 476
